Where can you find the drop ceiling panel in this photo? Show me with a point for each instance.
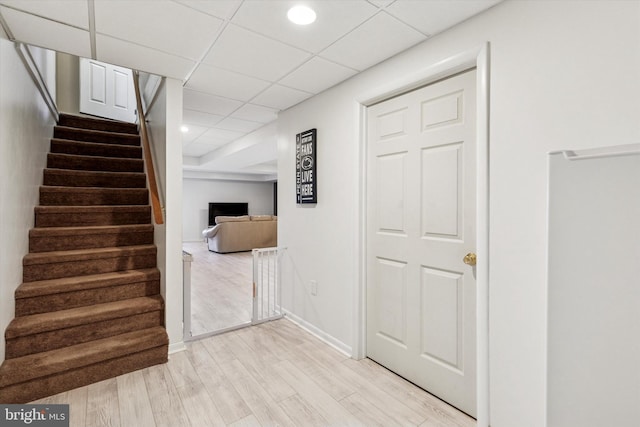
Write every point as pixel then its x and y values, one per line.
pixel 197 149
pixel 256 58
pixel 225 83
pixel 434 16
pixel 219 135
pixel 45 33
pixel 125 54
pixel 239 125
pixel 334 19
pixel 163 25
pixel 72 12
pixel 219 8
pixel 281 97
pixel 212 104
pixel 199 118
pixel 193 133
pixel 382 3
pixel 376 40
pixel 317 75
pixel 256 113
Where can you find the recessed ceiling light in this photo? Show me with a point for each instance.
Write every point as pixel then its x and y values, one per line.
pixel 301 15
pixel 184 129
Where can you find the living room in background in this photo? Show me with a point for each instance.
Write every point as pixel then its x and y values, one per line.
pixel 221 290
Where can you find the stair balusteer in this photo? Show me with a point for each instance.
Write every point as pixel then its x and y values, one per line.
pixel 89 307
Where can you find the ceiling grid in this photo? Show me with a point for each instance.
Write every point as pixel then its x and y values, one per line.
pixel 241 61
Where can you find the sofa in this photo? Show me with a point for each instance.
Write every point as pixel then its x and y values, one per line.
pixel 242 233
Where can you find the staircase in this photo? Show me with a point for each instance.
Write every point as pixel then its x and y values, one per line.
pixel 89 307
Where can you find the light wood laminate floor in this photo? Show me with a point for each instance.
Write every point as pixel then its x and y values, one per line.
pixel 221 288
pixel 273 374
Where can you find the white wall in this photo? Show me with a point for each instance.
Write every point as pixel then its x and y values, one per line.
pixel 564 74
pixel 45 61
pixel 197 193
pixel 164 120
pixel 68 82
pixel 26 127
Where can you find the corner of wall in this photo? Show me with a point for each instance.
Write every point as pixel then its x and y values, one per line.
pixel 164 119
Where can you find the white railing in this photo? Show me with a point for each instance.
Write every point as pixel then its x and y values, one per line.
pixel 267 303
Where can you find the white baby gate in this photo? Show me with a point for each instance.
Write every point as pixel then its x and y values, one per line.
pixel 266 285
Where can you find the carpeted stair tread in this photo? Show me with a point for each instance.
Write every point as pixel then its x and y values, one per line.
pixel 84 262
pixel 85 254
pixel 68 120
pixel 48 239
pixel 70 231
pixel 93 163
pixel 22 369
pixel 42 296
pixel 44 322
pixel 80 283
pixel 67 146
pixel 52 216
pixel 106 179
pixel 90 135
pixel 58 338
pixel 91 196
pixel 77 377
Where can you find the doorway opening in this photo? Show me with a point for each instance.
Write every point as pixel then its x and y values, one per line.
pixel 231 260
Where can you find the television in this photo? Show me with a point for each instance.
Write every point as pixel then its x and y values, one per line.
pixel 226 209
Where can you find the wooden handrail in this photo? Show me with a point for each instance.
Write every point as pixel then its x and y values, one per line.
pixel 148 160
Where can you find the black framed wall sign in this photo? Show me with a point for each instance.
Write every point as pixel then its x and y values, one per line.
pixel 306 178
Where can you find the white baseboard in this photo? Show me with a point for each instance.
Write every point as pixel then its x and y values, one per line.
pixel 177 347
pixel 318 333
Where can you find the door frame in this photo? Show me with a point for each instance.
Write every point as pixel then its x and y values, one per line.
pixel 479 59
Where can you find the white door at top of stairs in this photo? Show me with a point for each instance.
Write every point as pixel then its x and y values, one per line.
pixel 107 91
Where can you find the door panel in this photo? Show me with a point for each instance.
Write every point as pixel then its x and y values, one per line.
pixel 391 287
pixel 420 224
pixel 98 83
pixel 391 187
pixel 441 195
pixel 441 335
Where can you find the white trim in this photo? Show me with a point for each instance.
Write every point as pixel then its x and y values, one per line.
pixel 482 231
pixel 600 152
pixel 360 299
pixel 7 30
pixel 226 176
pixel 318 333
pixel 32 68
pixel 92 28
pixel 218 331
pixel 474 58
pixel 177 347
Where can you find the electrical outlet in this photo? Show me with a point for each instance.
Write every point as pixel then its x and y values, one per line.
pixel 313 285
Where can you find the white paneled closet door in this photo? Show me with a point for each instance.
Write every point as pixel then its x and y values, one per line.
pixel 421 219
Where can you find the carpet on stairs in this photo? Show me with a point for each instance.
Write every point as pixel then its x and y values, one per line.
pixel 89 307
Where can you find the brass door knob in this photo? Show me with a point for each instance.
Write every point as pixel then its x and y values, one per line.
pixel 470 259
